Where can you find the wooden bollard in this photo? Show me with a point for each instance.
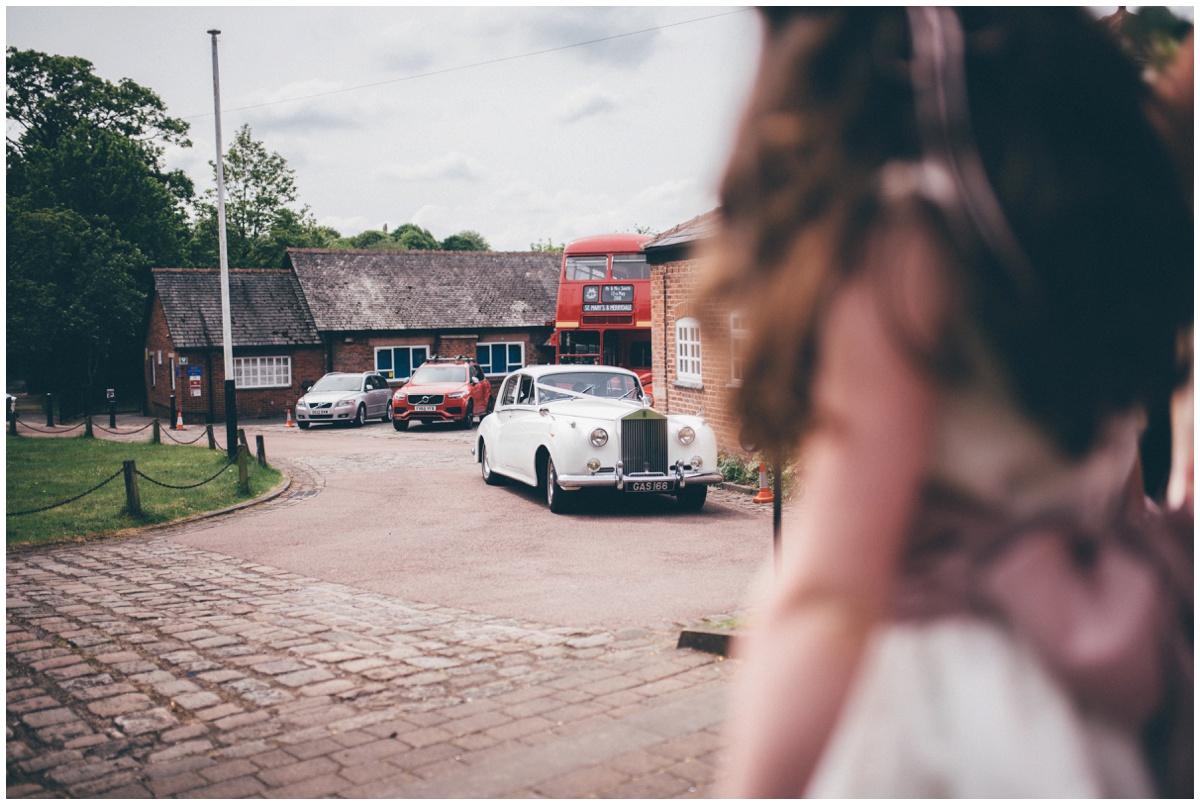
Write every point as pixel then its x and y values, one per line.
pixel 212 440
pixel 156 434
pixel 133 501
pixel 262 450
pixel 243 461
pixel 87 428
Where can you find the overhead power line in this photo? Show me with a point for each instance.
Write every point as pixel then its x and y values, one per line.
pixel 474 65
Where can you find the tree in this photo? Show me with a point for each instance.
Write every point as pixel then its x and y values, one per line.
pixel 411 236
pixel 47 97
pixel 260 219
pixel 466 241
pixel 74 301
pixel 548 246
pixel 89 208
pixel 371 239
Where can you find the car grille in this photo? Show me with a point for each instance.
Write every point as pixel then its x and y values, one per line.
pixel 318 406
pixel 644 445
pixel 426 399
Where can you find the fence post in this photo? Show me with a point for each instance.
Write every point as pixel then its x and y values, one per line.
pixel 262 450
pixel 156 437
pixel 243 458
pixel 172 420
pixel 241 437
pixel 87 428
pixel 49 410
pixel 12 424
pixel 133 501
pixel 112 414
pixel 212 441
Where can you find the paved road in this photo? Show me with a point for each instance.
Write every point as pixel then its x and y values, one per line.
pixel 253 655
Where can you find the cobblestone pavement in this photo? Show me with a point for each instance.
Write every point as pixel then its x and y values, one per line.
pixel 143 667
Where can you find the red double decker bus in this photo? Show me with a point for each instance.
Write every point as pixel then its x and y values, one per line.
pixel 603 313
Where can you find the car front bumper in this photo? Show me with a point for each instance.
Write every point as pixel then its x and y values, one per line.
pixel 452 411
pixel 677 478
pixel 327 415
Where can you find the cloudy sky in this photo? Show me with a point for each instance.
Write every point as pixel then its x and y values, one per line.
pixel 524 124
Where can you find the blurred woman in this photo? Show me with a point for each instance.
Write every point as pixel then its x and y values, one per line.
pixel 967 258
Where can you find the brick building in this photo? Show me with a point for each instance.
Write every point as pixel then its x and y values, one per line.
pixel 695 366
pixel 276 345
pixel 343 311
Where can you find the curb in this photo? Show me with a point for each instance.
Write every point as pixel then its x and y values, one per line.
pixel 282 487
pixel 711 641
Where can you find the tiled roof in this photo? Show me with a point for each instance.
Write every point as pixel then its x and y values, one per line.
pixel 686 234
pixel 266 307
pixel 419 290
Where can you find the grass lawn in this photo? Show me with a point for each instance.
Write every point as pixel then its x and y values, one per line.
pixel 42 472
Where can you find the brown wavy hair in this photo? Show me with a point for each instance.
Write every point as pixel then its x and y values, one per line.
pixel 1058 118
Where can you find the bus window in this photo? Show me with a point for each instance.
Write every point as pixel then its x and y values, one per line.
pixel 630 267
pixel 579 346
pixel 587 268
pixel 639 354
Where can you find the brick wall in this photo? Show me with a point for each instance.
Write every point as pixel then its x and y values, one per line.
pixel 674 287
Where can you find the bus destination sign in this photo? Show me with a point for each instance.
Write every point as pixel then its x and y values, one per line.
pixel 613 299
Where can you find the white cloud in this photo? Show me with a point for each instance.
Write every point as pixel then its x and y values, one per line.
pixel 586 102
pixel 449 167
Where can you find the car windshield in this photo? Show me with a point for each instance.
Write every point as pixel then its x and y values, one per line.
pixel 432 373
pixel 564 385
pixel 338 383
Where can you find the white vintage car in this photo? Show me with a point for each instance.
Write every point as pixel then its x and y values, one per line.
pixel 565 428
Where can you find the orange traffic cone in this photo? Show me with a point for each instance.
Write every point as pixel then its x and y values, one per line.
pixel 765 495
pixel 179 422
pixel 290 423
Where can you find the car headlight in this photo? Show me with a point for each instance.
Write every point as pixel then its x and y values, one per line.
pixel 598 437
pixel 697 462
pixel 458 395
pixel 301 403
pixel 686 435
pixel 399 395
pixel 344 403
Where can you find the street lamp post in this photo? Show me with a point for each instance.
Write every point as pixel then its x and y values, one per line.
pixel 226 327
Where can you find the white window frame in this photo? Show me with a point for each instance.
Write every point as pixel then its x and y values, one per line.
pixel 262 372
pixel 739 334
pixel 509 367
pixel 688 362
pixel 391 373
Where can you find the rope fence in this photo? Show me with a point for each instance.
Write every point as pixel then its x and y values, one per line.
pixel 68 500
pixel 131 472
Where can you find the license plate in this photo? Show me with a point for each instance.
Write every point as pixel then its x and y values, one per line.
pixel 424 407
pixel 651 486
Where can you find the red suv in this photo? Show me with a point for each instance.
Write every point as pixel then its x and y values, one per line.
pixel 443 390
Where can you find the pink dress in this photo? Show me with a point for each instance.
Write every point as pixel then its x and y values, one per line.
pixel 1006 671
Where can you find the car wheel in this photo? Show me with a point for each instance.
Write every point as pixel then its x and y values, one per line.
pixel 360 417
pixel 485 468
pixel 388 413
pixel 303 424
pixel 469 419
pixel 691 498
pixel 557 498
pixel 400 424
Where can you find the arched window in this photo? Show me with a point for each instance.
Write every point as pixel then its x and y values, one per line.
pixel 687 351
